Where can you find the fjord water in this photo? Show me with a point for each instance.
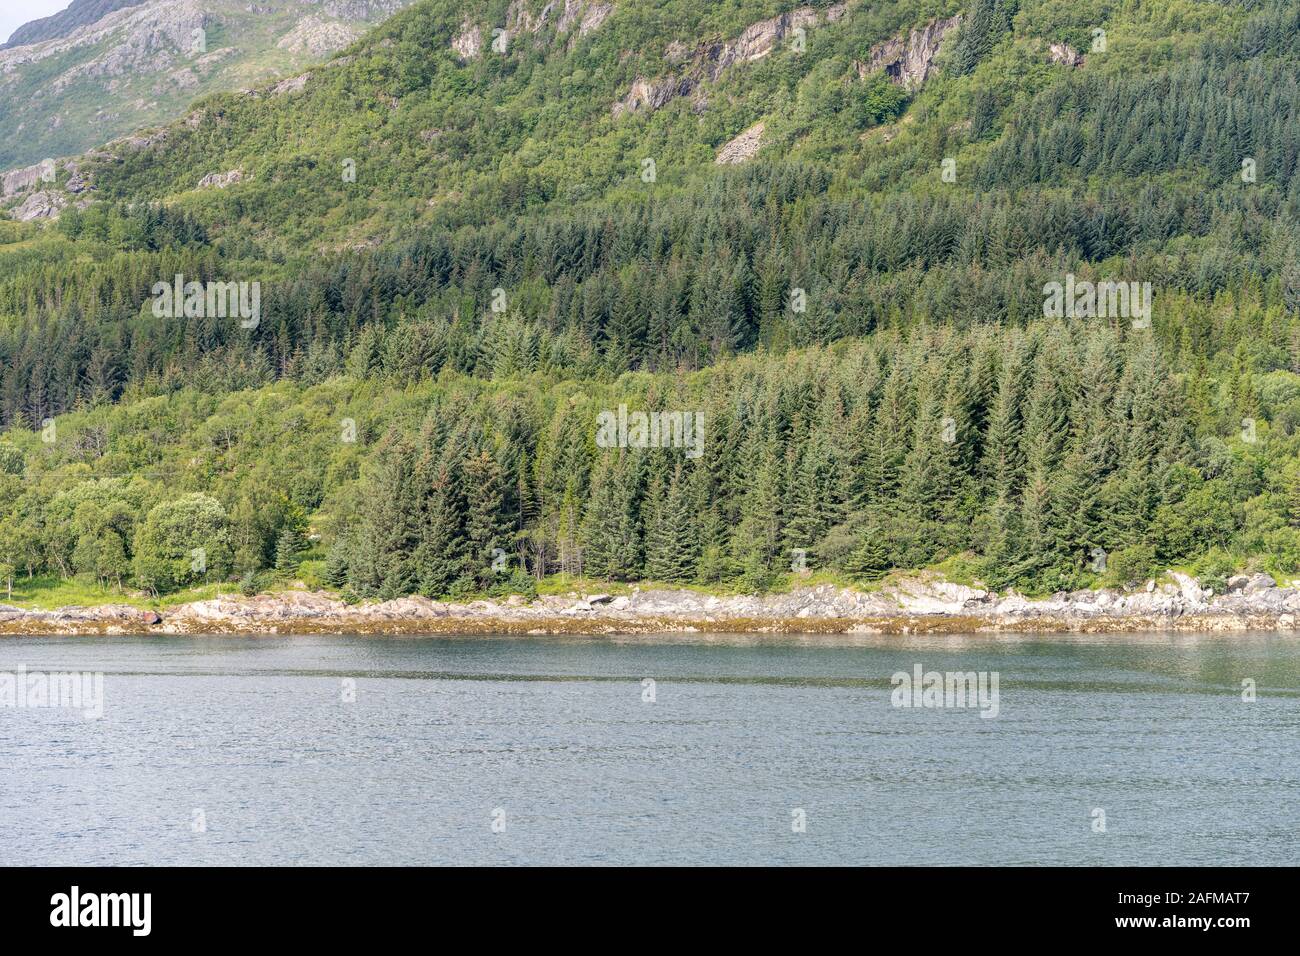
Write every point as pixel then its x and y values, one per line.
pixel 242 750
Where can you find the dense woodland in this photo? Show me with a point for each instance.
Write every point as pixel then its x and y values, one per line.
pixel 865 341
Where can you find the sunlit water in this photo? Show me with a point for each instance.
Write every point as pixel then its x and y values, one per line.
pixel 244 751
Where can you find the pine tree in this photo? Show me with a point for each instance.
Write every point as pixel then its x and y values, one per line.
pixel 337 561
pixel 887 446
pixel 814 507
pixel 756 540
pixel 1293 497
pixel 288 550
pixel 1002 459
pixel 384 561
pixel 672 535
pixel 439 554
pixel 870 562
pixel 486 527
pixel 611 529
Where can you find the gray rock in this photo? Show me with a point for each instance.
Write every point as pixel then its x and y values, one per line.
pixel 20 180
pixel 1065 54
pixel 742 148
pixel 710 60
pixel 1188 588
pixel 44 204
pixel 907 61
pixel 292 85
pixel 1259 582
pixel 221 180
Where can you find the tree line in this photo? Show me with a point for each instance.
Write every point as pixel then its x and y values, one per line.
pixel 1017 453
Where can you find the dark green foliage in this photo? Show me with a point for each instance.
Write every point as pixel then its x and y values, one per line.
pixel 870 562
pixel 1026 450
pixel 1213 569
pixel 986 23
pixel 672 530
pixel 612 532
pixel 1131 566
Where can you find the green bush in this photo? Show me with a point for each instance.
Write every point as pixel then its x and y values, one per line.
pixel 517 581
pixel 1213 569
pixel 313 574
pixel 1129 567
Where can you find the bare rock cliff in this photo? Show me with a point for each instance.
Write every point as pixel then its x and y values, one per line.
pixel 708 61
pixel 907 60
pixel 572 18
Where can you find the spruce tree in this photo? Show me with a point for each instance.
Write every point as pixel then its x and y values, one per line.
pixel 672 535
pixel 384 563
pixel 870 561
pixel 611 531
pixel 756 540
pixel 440 556
pixel 288 550
pixel 486 526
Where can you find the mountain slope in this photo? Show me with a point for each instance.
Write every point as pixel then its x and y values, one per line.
pixel 80 13
pixel 832 228
pixel 99 70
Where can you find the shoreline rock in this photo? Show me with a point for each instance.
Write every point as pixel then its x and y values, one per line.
pixel 920 604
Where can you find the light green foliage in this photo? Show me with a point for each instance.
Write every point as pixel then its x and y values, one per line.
pixel 1131 566
pixel 182 542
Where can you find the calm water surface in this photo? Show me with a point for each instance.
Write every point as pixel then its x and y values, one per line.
pixel 554 733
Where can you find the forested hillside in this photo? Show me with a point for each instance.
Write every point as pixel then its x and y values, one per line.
pixel 829 230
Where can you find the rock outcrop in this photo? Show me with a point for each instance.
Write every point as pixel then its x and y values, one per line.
pixel 291 85
pixel 79 13
pixel 468 42
pixel 586 14
pixel 21 180
pixel 317 37
pixel 221 180
pixel 907 60
pixel 135 142
pixel 743 147
pixel 709 60
pixel 119 66
pixel 33 192
pixel 45 204
pixel 576 19
pixel 921 603
pixel 1065 54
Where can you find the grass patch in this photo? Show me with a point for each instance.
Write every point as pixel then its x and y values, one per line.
pixel 47 593
pixel 562 584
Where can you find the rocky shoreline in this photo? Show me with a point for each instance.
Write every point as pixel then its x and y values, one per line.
pixel 921 604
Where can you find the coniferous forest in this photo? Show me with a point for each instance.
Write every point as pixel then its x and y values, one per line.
pixel 464 260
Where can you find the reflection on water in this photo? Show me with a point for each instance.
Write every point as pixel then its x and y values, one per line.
pixel 372 750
